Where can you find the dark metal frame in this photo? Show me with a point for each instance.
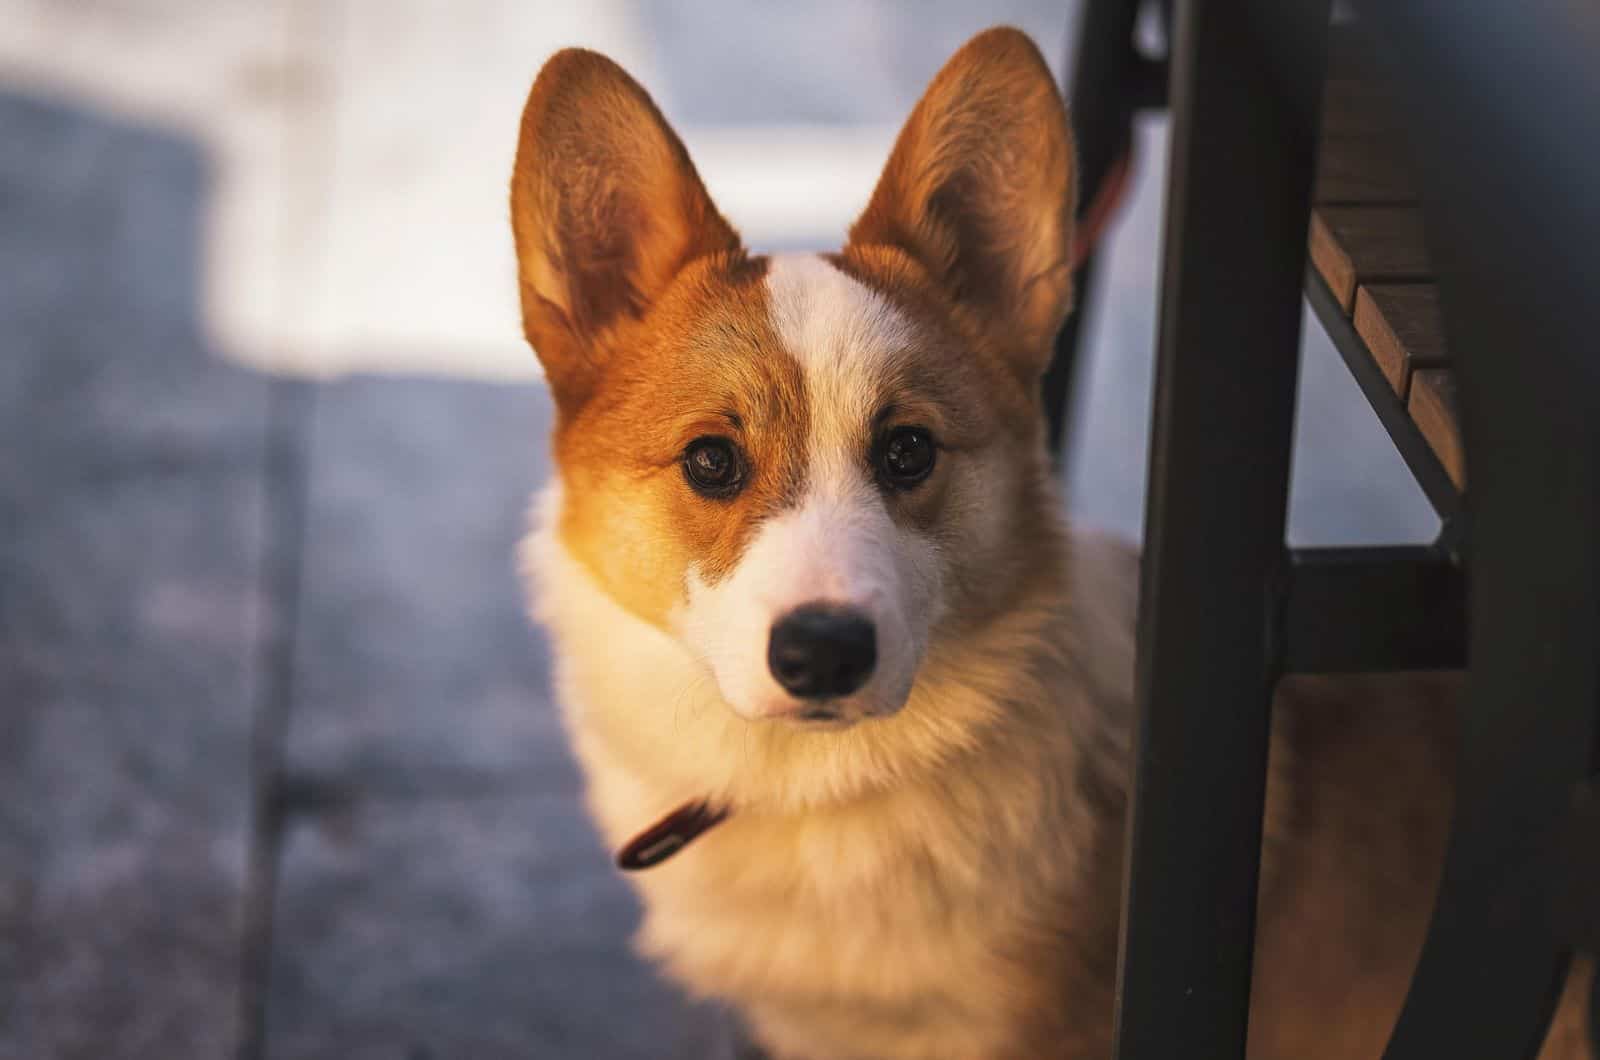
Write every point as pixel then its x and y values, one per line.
pixel 1226 607
pixel 1373 609
pixel 1110 82
pixel 1516 287
pixel 1239 193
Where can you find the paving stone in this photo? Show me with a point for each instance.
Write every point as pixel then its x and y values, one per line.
pixel 416 664
pixel 131 602
pixel 240 77
pixel 802 64
pixel 99 247
pixel 476 927
pixel 445 896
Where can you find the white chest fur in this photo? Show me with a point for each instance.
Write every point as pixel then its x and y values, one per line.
pixel 867 881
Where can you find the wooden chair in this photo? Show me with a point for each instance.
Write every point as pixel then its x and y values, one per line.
pixel 1440 182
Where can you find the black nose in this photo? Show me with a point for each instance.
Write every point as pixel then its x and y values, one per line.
pixel 819 650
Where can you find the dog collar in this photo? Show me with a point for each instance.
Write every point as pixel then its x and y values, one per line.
pixel 669 835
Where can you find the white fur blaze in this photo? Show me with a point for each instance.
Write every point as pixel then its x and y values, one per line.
pixel 838 544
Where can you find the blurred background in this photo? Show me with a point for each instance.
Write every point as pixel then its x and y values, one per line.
pixel 279 771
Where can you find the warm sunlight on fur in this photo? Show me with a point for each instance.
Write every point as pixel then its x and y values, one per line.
pixel 804 563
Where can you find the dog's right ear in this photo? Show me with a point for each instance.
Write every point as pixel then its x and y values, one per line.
pixel 606 208
pixel 981 190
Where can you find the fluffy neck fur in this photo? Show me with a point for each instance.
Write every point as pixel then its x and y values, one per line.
pixel 950 843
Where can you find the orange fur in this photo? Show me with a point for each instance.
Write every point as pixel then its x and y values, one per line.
pixel 606 210
pixel 982 192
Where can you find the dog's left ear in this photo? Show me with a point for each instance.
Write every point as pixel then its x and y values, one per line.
pixel 980 190
pixel 606 210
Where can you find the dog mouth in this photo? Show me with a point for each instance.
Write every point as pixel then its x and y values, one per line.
pixel 823 715
pixel 830 715
pixel 819 715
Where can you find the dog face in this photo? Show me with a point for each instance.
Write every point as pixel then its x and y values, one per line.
pixel 806 469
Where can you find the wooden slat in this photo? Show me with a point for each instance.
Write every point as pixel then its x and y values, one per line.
pixel 1363 158
pixel 1358 106
pixel 1366 242
pixel 1363 170
pixel 1433 406
pixel 1355 245
pixel 1401 325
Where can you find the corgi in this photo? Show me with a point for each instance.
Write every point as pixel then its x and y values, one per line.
pixel 851 700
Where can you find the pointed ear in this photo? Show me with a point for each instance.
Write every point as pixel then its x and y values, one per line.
pixel 980 190
pixel 606 208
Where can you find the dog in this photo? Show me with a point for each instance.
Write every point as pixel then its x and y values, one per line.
pixel 852 701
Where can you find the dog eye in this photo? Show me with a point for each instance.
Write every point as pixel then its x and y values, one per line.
pixel 905 457
pixel 713 467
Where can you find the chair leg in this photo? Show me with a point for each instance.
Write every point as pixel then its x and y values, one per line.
pixel 1594 1016
pixel 1060 379
pixel 1239 187
pixel 1105 91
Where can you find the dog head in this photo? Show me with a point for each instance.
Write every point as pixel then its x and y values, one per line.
pixel 805 468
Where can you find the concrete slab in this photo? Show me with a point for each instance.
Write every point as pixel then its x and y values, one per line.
pixel 362 148
pixel 240 78
pixel 836 63
pixel 131 602
pixel 416 667
pixel 409 267
pixel 465 927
